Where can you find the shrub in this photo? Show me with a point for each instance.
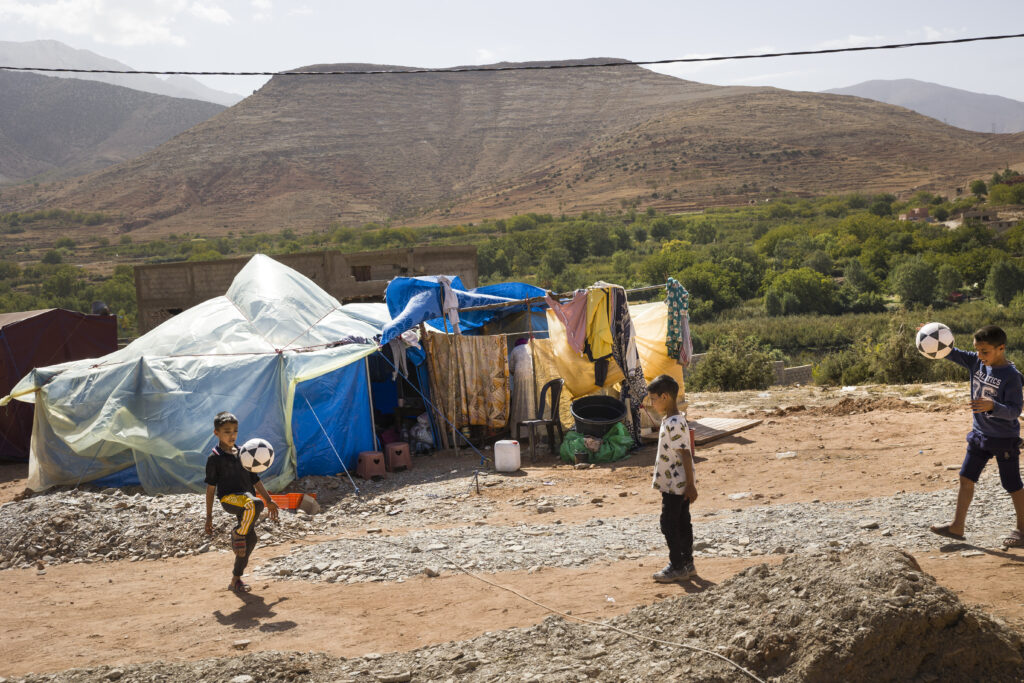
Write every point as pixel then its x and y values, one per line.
pixel 733 364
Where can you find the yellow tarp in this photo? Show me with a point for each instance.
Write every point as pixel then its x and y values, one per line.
pixel 650 324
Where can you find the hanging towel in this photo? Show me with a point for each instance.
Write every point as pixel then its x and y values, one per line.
pixel 677 340
pixel 599 332
pixel 449 303
pixel 573 315
pixel 634 386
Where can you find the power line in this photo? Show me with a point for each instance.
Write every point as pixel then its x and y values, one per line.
pixel 525 67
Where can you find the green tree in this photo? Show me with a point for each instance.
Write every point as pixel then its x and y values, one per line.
pixel 555 260
pixel 802 291
pixel 818 260
pixel 978 188
pixel 857 277
pixel 1001 195
pixel 733 364
pixel 52 257
pixel 1005 279
pixel 948 280
pixel 914 281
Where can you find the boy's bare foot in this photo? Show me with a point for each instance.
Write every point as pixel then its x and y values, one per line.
pixel 946 530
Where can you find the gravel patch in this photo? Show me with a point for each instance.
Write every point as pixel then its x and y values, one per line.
pixel 900 521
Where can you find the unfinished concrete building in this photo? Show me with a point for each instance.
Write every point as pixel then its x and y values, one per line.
pixel 166 289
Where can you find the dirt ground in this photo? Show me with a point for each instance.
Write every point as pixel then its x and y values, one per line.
pixel 121 612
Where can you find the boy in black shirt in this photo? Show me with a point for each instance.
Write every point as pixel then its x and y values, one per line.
pixel 235 487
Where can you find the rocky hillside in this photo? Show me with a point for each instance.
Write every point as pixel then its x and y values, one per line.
pixel 54 128
pixel 307 150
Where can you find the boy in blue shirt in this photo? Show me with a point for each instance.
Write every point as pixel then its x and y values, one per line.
pixel 996 400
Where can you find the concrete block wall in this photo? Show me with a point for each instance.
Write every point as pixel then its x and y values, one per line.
pixel 164 290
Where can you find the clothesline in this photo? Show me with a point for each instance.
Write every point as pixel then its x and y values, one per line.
pixel 539 299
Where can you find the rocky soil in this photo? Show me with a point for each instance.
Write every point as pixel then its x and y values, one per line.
pixel 869 614
pixel 81 526
pixel 846 603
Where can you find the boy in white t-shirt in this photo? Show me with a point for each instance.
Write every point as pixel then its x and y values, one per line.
pixel 673 476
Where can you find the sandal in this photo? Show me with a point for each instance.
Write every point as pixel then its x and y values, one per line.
pixel 1014 539
pixel 237 544
pixel 943 530
pixel 239 586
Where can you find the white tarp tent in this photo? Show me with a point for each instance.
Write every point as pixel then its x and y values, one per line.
pixel 148 408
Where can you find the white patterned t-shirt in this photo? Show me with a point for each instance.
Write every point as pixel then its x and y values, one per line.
pixel 674 437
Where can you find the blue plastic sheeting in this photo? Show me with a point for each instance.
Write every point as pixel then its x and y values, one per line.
pixel 341 401
pixel 128 477
pixel 415 300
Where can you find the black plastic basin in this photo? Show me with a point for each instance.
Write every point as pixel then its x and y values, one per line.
pixel 595 415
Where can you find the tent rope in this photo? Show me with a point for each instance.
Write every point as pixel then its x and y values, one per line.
pixel 331 442
pixel 566 615
pixel 483 458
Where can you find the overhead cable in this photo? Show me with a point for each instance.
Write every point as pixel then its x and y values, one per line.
pixel 522 67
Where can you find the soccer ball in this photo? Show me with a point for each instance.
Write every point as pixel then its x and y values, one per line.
pixel 256 455
pixel 934 340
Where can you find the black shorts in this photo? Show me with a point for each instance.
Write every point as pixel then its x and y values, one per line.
pixel 981 448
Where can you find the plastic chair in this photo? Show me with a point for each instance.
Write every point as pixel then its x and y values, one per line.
pixel 554 387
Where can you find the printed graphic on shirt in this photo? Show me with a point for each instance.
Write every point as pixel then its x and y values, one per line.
pixel 985 385
pixel 673 438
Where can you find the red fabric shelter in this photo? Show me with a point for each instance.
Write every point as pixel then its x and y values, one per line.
pixel 35 339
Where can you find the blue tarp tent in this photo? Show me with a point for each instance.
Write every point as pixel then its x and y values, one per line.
pixel 283 355
pixel 415 300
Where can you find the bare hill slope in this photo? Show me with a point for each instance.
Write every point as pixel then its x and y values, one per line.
pixel 57 128
pixel 306 150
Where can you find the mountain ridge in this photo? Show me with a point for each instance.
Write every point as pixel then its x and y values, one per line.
pixel 965 109
pixel 52 129
pixel 307 151
pixel 53 54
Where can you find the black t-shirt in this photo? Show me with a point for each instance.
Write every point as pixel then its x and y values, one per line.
pixel 225 471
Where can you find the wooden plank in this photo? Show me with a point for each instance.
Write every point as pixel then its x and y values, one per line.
pixel 708 429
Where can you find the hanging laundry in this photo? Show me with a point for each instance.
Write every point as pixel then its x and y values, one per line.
pixel 599 332
pixel 481 378
pixel 449 302
pixel 624 351
pixel 678 343
pixel 573 315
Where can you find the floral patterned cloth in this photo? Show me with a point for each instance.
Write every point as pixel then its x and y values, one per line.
pixel 677 340
pixel 481 378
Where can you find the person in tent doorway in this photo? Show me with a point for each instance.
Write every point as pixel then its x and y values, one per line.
pixel 236 488
pixel 520 363
pixel 673 476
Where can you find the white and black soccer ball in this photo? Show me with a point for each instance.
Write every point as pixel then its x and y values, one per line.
pixel 934 340
pixel 256 455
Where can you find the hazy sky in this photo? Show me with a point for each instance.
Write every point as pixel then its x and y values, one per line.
pixel 271 35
